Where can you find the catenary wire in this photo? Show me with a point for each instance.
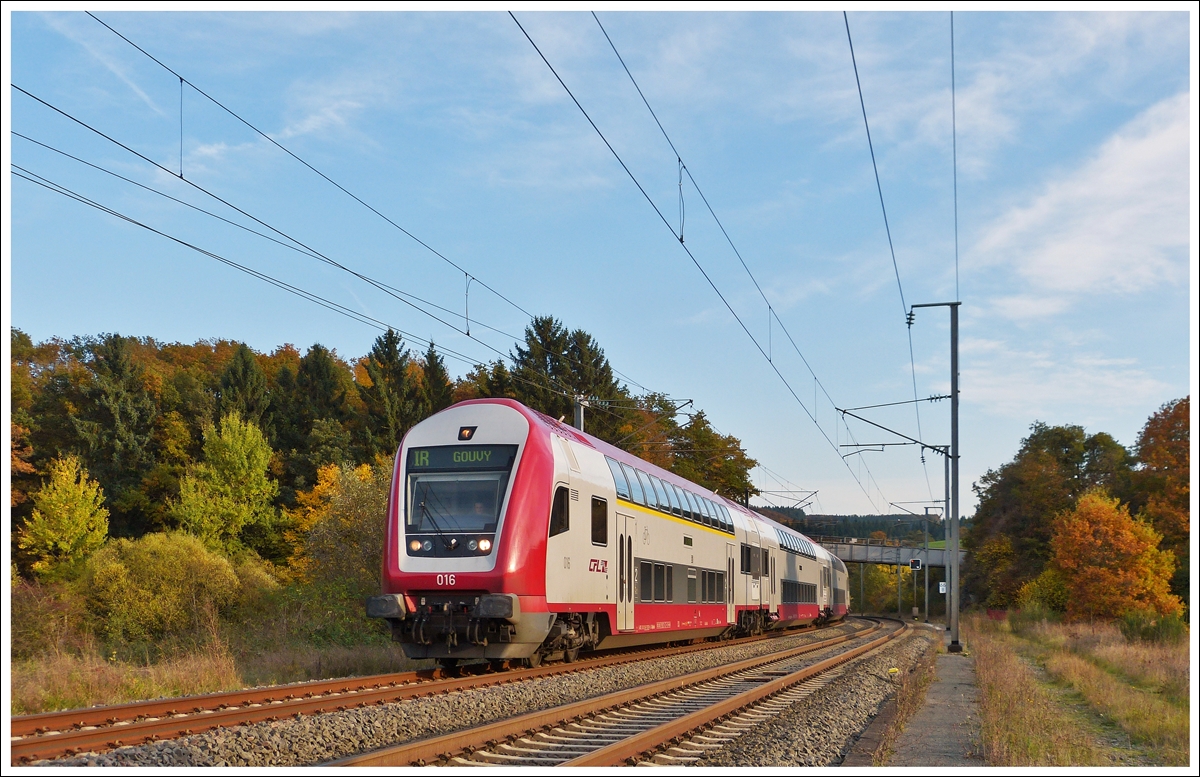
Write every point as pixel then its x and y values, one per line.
pixel 891 248
pixel 690 256
pixel 296 290
pixel 770 308
pixel 232 223
pixel 292 154
pixel 307 249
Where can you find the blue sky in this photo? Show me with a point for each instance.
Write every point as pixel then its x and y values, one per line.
pixel 1076 253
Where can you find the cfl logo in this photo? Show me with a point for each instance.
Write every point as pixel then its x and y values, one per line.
pixel 598 565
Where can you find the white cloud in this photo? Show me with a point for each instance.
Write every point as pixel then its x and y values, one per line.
pixel 1045 381
pixel 1116 225
pixel 98 43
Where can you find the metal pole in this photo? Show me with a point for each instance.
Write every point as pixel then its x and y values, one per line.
pixel 899 606
pixel 955 588
pixel 578 413
pixel 862 603
pixel 925 526
pixel 946 535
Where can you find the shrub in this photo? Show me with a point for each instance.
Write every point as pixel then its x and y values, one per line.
pixel 68 523
pixel 1149 626
pixel 157 585
pixel 1046 592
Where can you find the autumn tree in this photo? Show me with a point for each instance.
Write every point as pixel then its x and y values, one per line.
pixel 1110 561
pixel 715 461
pixel 69 521
pixel 1054 466
pixel 228 492
pixel 1162 488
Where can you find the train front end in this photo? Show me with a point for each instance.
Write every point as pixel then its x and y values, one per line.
pixel 464 555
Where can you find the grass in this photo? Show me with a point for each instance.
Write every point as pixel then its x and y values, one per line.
pixel 1022 722
pixel 68 680
pixel 1159 668
pixel 72 680
pixel 1142 687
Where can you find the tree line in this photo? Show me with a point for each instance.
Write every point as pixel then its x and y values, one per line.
pixel 1078 523
pixel 222 442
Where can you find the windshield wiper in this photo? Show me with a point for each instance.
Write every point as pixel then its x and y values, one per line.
pixel 451 543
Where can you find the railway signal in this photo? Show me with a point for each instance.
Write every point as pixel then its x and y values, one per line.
pixel 914 564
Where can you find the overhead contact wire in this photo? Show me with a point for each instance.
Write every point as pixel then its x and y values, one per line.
pixel 684 246
pixel 290 153
pixel 891 248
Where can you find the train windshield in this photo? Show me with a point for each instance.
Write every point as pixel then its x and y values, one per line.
pixel 456 503
pixel 457 488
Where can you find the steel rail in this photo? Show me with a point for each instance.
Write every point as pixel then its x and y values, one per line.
pixel 448 745
pixel 628 750
pixel 49 735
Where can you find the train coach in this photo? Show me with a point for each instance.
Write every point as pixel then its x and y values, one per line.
pixel 511 535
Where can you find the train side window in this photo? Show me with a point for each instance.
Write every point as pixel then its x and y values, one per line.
pixel 647 488
pixel 660 582
pixel 720 587
pixel 664 502
pixel 618 478
pixel 635 487
pixel 746 559
pixel 755 563
pixel 710 518
pixel 693 511
pixel 728 524
pixel 766 561
pixel 560 515
pixel 599 521
pixel 691 585
pixel 646 581
pixel 675 495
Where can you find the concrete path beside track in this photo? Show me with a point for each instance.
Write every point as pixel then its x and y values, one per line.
pixel 945 731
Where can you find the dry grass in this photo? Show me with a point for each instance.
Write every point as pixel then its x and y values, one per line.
pixel 1147 718
pixel 1156 667
pixel 68 681
pixel 1022 724
pixel 305 662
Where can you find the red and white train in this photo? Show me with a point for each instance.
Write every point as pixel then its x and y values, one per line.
pixel 513 536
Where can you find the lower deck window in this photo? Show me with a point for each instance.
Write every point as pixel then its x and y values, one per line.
pixel 799 593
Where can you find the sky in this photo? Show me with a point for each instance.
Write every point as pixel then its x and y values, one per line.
pixel 493 197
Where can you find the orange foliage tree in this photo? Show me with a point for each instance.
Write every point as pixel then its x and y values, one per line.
pixel 1111 561
pixel 1163 483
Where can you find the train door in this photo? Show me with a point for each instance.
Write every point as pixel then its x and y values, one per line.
pixel 626 531
pixel 730 566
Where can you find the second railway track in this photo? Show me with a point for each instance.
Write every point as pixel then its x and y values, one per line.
pixel 620 727
pixel 52 735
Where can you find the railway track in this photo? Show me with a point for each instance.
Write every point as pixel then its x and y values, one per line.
pixel 97 729
pixel 621 727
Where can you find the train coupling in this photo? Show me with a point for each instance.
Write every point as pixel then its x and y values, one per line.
pixel 386 606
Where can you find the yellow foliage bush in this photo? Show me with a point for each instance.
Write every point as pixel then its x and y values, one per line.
pixel 157 585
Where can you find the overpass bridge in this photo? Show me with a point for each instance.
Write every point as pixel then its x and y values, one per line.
pixel 890 552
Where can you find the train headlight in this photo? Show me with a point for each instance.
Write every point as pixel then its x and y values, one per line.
pixel 414 546
pixel 428 545
pixel 472 545
pixel 485 545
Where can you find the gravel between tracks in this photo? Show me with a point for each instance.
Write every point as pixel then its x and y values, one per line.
pixel 820 729
pixel 319 738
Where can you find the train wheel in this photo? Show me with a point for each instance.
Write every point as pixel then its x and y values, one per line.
pixel 534 661
pixel 571 656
